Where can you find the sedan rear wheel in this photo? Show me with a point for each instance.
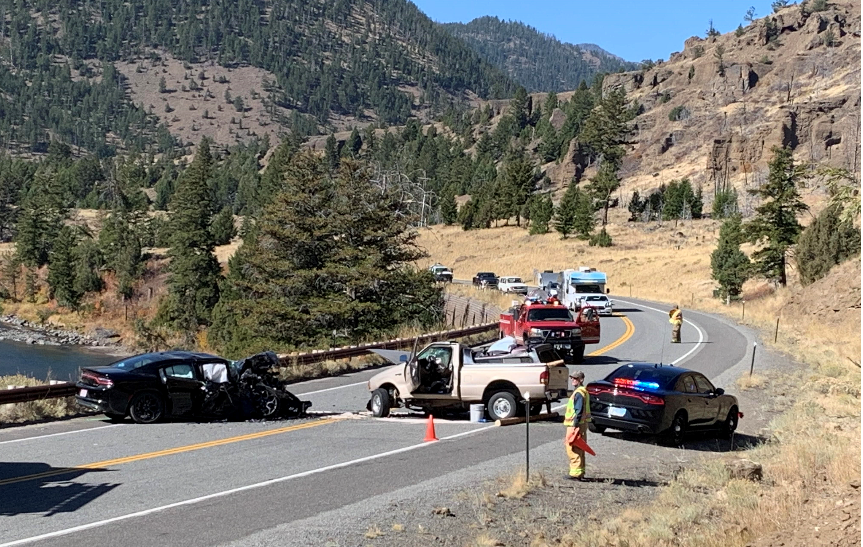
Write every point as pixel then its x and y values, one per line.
pixel 676 432
pixel 147 408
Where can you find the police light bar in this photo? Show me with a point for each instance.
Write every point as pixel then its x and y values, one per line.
pixel 635 384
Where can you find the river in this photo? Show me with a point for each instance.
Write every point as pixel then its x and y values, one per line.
pixel 60 362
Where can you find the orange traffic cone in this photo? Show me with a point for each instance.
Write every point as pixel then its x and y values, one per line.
pixel 430 434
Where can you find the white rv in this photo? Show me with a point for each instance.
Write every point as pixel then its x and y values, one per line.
pixel 576 285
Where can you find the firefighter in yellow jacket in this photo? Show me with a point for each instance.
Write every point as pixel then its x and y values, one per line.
pixel 576 419
pixel 675 317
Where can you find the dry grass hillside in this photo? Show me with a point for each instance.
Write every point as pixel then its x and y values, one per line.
pixel 193 107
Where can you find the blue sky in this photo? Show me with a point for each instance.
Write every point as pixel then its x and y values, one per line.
pixel 632 29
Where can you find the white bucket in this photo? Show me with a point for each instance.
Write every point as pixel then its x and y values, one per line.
pixel 477 413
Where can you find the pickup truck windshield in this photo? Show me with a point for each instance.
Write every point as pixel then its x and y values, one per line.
pixel 549 314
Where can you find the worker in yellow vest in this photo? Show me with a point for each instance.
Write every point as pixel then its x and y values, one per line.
pixel 675 317
pixel 576 419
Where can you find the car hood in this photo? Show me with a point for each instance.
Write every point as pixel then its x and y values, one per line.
pixel 391 375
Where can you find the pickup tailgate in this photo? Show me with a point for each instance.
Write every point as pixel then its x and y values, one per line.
pixel 558 377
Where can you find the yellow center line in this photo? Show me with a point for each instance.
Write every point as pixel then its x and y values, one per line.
pixel 167 452
pixel 630 330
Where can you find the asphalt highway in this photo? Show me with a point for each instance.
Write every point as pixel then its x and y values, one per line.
pixel 86 481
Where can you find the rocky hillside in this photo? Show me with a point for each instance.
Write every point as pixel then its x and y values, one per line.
pixel 538 61
pixel 714 111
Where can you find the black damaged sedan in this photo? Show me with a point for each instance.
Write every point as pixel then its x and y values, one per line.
pixel 153 386
pixel 660 399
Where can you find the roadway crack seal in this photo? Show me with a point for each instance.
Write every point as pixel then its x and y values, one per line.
pixel 168 452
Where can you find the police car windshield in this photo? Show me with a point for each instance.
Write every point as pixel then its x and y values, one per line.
pixel 549 314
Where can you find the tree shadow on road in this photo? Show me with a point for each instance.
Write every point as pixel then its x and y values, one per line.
pixel 34 487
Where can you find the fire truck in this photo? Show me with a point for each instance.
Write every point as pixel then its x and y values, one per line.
pixel 550 322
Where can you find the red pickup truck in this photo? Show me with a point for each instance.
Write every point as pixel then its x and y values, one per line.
pixel 534 323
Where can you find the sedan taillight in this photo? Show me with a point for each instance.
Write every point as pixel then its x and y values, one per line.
pixel 103 381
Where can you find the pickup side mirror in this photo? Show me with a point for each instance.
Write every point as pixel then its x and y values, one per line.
pixel 719 391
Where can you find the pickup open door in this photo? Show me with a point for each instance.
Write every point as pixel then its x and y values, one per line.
pixel 588 320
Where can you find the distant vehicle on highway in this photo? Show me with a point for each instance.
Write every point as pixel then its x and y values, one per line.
pixel 441 273
pixel 485 280
pixel 660 399
pixel 512 284
pixel 452 376
pixel 577 284
pixel 153 386
pixel 601 303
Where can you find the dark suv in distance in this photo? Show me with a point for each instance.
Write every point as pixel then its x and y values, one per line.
pixel 660 399
pixel 485 279
pixel 153 386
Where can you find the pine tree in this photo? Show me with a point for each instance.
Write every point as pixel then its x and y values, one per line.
pixel 353 144
pixel 519 182
pixel 565 214
pixel 88 261
pixel 542 211
pixel 331 152
pixel 824 243
pixel 61 269
pixel 42 213
pixel 120 243
pixel 222 227
pixel 603 185
pixel 725 204
pixel 448 208
pixel 329 254
pixel 730 266
pixel 583 221
pixel 193 287
pixel 775 225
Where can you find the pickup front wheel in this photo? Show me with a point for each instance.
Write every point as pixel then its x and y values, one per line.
pixel 502 405
pixel 380 404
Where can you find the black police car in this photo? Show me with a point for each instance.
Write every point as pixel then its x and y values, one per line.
pixel 660 399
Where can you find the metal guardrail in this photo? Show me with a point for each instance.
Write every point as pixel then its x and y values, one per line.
pixel 37 393
pixel 67 389
pixel 396 343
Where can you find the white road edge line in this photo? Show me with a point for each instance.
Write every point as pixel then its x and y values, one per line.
pixel 697 328
pixel 330 388
pixel 98 428
pixel 224 493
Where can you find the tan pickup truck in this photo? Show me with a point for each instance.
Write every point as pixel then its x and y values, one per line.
pixel 452 376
